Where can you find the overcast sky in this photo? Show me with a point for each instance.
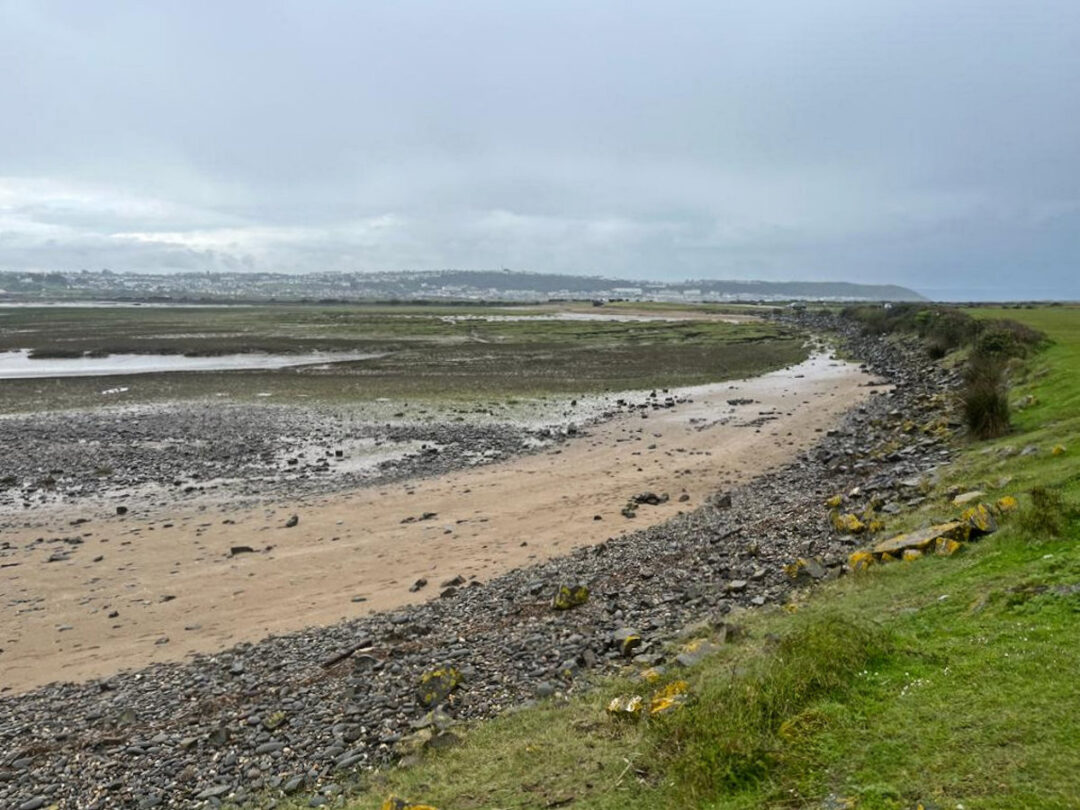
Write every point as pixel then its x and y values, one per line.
pixel 934 144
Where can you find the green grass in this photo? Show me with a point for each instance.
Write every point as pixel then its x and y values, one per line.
pixel 949 681
pixel 428 355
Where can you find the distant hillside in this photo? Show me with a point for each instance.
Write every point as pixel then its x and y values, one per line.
pixel 438 284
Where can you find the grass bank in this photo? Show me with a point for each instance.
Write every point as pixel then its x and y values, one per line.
pixel 947 682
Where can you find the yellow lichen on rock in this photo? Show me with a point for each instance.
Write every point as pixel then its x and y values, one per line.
pixel 946 547
pixel 437 684
pixel 835 501
pixel 652 674
pixel 860 560
pixel 922 539
pixel 570 596
pixel 1059 450
pixel 1007 504
pixel 980 519
pixel 669 698
pixel 394 803
pixel 911 554
pixel 847 522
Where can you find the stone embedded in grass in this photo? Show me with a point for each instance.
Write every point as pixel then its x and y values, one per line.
pixel 436 685
pixel 626 706
pixel 967 497
pixel 980 519
pixel 920 540
pixel 394 803
pixel 1059 450
pixel 652 674
pixel 694 651
pixel 570 596
pixel 671 697
pixel 911 554
pixel 946 547
pixel 806 570
pixel 1007 504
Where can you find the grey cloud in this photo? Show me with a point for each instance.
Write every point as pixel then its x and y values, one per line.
pixel 926 143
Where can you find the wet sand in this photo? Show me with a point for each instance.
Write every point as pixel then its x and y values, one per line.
pixel 174 588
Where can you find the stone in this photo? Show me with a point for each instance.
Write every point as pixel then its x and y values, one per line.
pixel 394 803
pixel 292 521
pixel 911 554
pixel 436 685
pixel 627 640
pixel 694 651
pixel 920 540
pixel 860 560
pixel 626 706
pixel 1007 504
pixel 980 519
pixel 847 523
pixel 671 697
pixel 946 547
pixel 234 550
pixel 570 596
pixel 214 792
pixel 650 498
pixel 968 497
pixel 805 570
pixel 416 586
pixel 1059 450
pixel 721 500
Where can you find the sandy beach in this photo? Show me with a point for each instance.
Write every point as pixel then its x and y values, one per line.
pixel 147 587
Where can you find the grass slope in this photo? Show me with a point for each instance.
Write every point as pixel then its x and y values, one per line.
pixel 948 682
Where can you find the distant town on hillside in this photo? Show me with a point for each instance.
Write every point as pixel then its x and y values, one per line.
pixel 438 285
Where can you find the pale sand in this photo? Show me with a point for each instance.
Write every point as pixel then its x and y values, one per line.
pixel 354 544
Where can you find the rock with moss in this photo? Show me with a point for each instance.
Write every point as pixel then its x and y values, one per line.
pixel 436 685
pixel 980 518
pixel 570 596
pixel 860 560
pixel 1007 504
pixel 626 640
pixel 847 523
pixel 806 570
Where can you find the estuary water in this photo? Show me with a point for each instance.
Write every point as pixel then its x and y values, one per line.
pixel 19 365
